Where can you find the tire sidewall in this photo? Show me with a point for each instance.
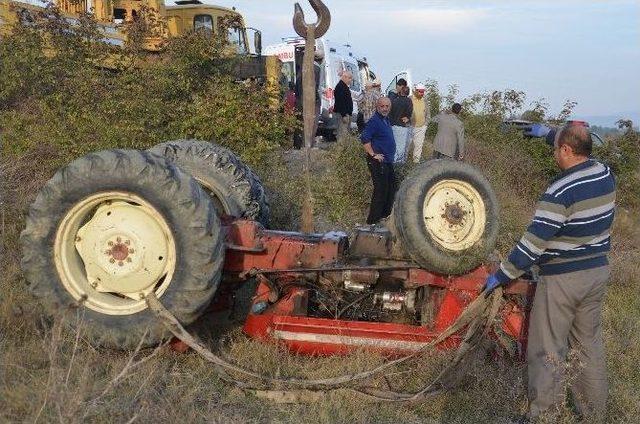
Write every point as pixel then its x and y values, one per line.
pixel 409 220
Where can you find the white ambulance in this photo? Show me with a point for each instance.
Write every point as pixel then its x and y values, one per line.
pixel 331 58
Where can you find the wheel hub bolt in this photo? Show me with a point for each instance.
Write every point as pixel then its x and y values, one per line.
pixel 120 252
pixel 454 214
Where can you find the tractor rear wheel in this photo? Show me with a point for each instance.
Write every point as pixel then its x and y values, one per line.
pixel 233 187
pixel 114 226
pixel 446 216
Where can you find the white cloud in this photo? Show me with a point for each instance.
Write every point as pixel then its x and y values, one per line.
pixel 434 20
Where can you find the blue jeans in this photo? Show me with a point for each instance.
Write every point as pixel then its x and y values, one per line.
pixel 401 136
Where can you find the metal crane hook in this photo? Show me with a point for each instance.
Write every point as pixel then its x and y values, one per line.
pixel 321 26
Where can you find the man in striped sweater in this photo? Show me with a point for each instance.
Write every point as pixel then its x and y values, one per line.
pixel 568 240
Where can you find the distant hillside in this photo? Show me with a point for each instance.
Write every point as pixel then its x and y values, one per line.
pixel 610 120
pixel 605 131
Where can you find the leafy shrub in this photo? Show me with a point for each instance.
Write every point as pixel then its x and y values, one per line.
pixel 344 193
pixel 59 85
pixel 622 153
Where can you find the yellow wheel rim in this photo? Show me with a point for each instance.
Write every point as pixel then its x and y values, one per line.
pixel 113 248
pixel 454 214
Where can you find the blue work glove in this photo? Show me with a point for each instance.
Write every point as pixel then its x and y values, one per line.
pixel 491 284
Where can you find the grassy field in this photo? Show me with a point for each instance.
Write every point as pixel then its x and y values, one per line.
pixel 51 374
pixel 55 105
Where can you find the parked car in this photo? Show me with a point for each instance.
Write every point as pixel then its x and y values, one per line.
pixel 537 130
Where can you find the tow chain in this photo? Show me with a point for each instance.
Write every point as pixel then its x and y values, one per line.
pixel 478 316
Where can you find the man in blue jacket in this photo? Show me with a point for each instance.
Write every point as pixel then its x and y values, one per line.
pixel 568 239
pixel 380 147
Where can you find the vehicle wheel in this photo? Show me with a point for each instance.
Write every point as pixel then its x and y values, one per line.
pixel 113 226
pixel 446 216
pixel 233 187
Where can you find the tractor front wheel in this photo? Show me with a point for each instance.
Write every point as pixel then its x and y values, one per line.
pixel 446 216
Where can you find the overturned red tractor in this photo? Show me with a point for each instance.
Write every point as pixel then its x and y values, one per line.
pixel 178 221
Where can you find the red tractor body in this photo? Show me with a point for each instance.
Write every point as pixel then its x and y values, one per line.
pixel 411 306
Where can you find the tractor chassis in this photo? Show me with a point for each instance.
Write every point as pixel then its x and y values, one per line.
pixel 417 305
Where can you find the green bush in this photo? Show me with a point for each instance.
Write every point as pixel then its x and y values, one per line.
pixel 344 192
pixel 60 86
pixel 622 154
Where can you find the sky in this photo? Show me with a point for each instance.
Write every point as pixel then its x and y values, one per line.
pixel 587 51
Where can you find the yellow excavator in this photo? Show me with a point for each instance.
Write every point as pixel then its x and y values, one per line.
pixel 176 20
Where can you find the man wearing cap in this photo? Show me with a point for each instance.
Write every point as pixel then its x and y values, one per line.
pixel 449 141
pixel 568 240
pixel 419 119
pixel 401 84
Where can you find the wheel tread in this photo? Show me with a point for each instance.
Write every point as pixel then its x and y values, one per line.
pixel 241 185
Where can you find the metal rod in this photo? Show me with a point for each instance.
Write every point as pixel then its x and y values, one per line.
pixel 254 272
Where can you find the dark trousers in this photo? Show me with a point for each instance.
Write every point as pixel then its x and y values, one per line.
pixel 384 189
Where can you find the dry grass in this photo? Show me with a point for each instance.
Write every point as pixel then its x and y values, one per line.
pixel 51 374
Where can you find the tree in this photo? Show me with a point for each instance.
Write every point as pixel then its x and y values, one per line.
pixel 538 111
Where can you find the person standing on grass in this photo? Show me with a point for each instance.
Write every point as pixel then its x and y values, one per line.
pixel 419 119
pixel 400 117
pixel 343 106
pixel 449 141
pixel 568 239
pixel 380 147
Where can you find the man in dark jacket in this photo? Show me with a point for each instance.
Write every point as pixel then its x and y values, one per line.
pixel 343 107
pixel 401 84
pixel 400 118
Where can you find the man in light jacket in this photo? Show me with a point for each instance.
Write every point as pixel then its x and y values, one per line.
pixel 419 120
pixel 449 141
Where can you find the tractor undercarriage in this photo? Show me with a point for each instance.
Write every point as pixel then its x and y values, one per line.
pixel 321 295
